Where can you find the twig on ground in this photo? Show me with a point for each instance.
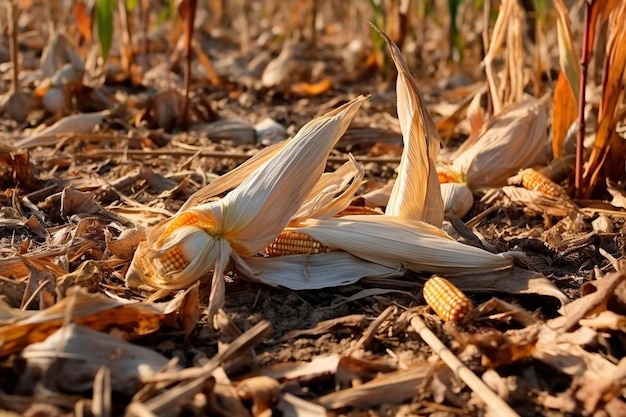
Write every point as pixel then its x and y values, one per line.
pixel 491 399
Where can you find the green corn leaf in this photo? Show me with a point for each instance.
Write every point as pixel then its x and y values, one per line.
pixel 104 20
pixel 131 4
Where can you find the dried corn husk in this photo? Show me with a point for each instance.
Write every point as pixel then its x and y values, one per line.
pixel 332 193
pixel 457 198
pixel 312 272
pixel 71 357
pixel 369 246
pixel 514 139
pixel 395 242
pixel 416 194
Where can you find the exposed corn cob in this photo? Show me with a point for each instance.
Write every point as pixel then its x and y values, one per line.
pixel 534 180
pixel 187 218
pixel 447 300
pixel 294 243
pixel 174 260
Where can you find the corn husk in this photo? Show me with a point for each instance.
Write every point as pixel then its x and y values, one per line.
pixel 369 246
pixel 416 194
pixel 457 198
pixel 248 218
pixel 71 357
pixel 395 242
pixel 312 272
pixel 332 193
pixel 510 141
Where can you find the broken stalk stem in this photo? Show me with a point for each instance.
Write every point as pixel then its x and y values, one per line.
pixel 12 11
pixel 189 17
pixel 491 399
pixel 580 138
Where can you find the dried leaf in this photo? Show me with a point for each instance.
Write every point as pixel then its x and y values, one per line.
pixel 564 113
pixel 318 366
pixel 351 321
pixel 71 357
pixel 538 202
pixel 568 57
pixel 614 82
pixel 67 125
pixel 315 89
pixel 291 406
pixel 262 390
pixel 83 20
pixel 593 302
pixel 390 388
pixel 513 281
pixel 619 194
pixel 94 310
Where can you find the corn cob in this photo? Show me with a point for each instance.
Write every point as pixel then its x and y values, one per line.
pixel 186 218
pixel 173 261
pixel 447 300
pixel 536 181
pixel 294 243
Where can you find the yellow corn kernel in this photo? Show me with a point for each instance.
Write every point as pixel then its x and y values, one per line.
pixel 447 300
pixel 294 243
pixel 186 218
pixel 536 181
pixel 173 260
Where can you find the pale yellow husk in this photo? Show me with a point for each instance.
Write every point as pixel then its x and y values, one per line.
pixel 510 141
pixel 415 194
pixel 458 199
pixel 396 242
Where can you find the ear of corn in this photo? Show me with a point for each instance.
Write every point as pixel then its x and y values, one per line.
pixel 457 198
pixel 187 247
pixel 416 194
pixel 512 140
pixel 532 179
pixel 294 243
pixel 447 300
pixel 396 242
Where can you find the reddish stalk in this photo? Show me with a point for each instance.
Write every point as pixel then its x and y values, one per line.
pixel 580 139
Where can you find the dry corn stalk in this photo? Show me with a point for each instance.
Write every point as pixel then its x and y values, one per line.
pixel 509 25
pixel 513 140
pixel 416 194
pixel 203 238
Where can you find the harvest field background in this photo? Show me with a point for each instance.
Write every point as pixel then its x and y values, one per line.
pixel 114 113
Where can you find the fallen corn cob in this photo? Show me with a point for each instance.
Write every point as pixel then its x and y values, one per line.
pixel 532 179
pixel 294 243
pixel 448 301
